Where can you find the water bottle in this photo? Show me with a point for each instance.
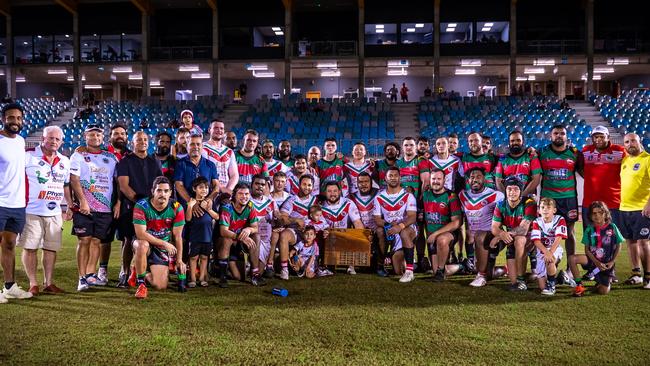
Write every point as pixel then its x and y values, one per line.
pixel 182 279
pixel 282 292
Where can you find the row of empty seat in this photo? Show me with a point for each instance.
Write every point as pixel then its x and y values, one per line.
pixel 630 112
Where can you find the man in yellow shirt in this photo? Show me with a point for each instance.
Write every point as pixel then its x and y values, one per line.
pixel 635 207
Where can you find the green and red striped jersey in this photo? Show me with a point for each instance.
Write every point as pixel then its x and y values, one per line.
pixel 439 208
pixel 250 166
pixel 485 161
pixel 511 217
pixel 159 223
pixel 381 167
pixel 559 177
pixel 522 167
pixel 410 174
pixel 237 221
pixel 330 171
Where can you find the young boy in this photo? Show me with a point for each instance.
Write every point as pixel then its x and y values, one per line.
pixel 547 233
pixel 321 226
pixel 305 254
pixel 200 230
pixel 602 242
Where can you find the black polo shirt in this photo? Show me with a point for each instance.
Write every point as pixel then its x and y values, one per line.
pixel 141 173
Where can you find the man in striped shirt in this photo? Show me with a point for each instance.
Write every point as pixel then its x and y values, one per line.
pixel 249 163
pixel 222 156
pixel 273 166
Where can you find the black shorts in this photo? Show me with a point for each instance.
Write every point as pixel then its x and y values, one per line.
pixel 433 249
pixel 96 225
pixel 617 217
pixel 124 226
pixel 237 251
pixel 157 257
pixel 494 252
pixel 567 208
pixel 12 219
pixel 198 248
pixel 603 278
pixel 634 226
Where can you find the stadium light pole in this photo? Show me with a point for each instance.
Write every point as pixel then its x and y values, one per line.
pixel 216 73
pixel 589 12
pixel 361 49
pixel 288 45
pixel 436 46
pixel 513 46
pixel 10 75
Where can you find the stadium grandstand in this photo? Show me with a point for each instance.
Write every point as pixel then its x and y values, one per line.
pixel 340 125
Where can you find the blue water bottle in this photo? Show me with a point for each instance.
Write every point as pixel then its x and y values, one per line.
pixel 282 292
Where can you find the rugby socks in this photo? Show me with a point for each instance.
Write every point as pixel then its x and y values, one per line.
pixel 223 267
pixel 103 265
pixel 8 285
pixel 284 264
pixel 636 271
pixel 139 279
pixel 533 261
pixel 521 279
pixel 408 257
pixel 578 280
pixel 256 272
pixel 469 250
pixel 551 280
pixel 646 277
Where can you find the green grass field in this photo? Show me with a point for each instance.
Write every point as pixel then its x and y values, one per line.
pixel 336 320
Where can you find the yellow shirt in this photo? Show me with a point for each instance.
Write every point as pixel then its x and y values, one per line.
pixel 635 182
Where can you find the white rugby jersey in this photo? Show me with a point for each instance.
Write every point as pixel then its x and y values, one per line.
pixel 45 182
pixel 223 158
pixel 298 208
pixel 280 200
pixel 546 232
pixel 95 172
pixel 366 207
pixel 450 166
pixel 263 208
pixel 479 207
pixel 340 215
pixel 352 172
pixel 273 166
pixel 394 207
pixel 293 183
pixel 305 252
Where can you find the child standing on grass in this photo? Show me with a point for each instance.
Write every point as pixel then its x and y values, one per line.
pixel 547 233
pixel 602 241
pixel 304 255
pixel 200 230
pixel 316 220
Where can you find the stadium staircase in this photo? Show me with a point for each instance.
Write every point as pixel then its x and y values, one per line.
pixel 231 115
pixel 593 118
pixel 406 122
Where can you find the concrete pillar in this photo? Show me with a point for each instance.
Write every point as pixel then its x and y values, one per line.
pixel 436 46
pixel 78 90
pixel 361 40
pixel 590 47
pixel 146 90
pixel 512 75
pixel 10 74
pixel 561 87
pixel 117 91
pixel 288 46
pixel 216 74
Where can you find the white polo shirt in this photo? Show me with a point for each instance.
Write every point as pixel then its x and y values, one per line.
pixel 45 182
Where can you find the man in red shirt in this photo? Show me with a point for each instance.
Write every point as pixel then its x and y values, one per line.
pixel 602 171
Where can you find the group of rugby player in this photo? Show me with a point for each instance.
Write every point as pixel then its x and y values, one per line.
pixel 197 207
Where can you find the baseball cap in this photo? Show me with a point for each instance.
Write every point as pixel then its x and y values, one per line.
pixel 93 127
pixel 600 129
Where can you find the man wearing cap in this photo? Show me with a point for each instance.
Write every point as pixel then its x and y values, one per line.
pixel 187 119
pixel 91 179
pixel 602 169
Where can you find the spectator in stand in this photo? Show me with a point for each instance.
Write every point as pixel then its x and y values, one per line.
pixel 393 93
pixel 404 93
pixel 427 92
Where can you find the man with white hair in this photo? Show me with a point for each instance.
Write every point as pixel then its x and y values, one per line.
pixel 635 207
pixel 48 179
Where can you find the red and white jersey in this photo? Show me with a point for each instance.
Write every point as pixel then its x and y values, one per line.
pixel 319 225
pixel 352 171
pixel 602 174
pixel 366 207
pixel 546 232
pixel 451 166
pixel 394 207
pixel 293 183
pixel 223 158
pixel 306 252
pixel 298 208
pixel 45 182
pixel 273 166
pixel 281 199
pixel 479 207
pixel 263 208
pixel 340 215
